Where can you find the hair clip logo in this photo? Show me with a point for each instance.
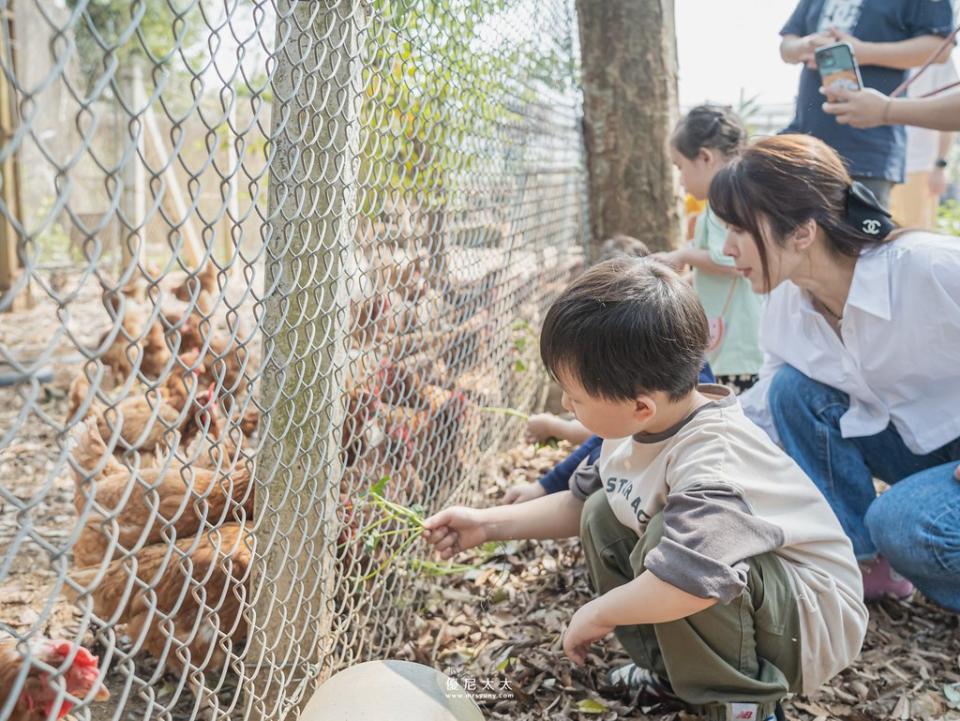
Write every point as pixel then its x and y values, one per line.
pixel 871 226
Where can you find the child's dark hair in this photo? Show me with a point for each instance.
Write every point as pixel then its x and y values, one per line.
pixel 710 126
pixel 627 327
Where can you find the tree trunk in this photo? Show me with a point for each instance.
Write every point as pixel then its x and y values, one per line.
pixel 629 59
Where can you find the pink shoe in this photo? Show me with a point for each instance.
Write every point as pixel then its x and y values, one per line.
pixel 881 581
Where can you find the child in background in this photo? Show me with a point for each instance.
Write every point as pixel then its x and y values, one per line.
pixel 717 563
pixel 544 426
pixel 702 143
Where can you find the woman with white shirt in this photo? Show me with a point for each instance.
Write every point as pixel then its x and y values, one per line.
pixel 861 341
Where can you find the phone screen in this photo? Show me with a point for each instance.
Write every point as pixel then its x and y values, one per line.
pixel 837 67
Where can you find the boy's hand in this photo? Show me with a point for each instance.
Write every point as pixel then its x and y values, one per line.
pixel 523 492
pixel 541 427
pixel 585 628
pixel 455 529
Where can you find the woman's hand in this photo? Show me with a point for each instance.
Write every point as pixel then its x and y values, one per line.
pixel 585 628
pixel 858 108
pixel 523 492
pixel 856 44
pixel 455 529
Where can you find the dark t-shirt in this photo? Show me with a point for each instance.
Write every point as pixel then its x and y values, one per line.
pixel 875 152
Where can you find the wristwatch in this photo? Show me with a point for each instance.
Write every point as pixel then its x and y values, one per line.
pixel 940 163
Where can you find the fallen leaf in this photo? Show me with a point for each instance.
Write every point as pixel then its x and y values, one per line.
pixel 589 705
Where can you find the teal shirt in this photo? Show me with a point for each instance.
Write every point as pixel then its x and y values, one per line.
pixel 740 352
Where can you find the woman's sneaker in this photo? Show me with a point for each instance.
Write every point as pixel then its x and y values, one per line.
pixel 881 581
pixel 649 688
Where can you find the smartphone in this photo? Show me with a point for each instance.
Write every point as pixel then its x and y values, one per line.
pixel 838 67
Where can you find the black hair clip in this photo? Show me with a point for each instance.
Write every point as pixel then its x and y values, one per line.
pixel 865 213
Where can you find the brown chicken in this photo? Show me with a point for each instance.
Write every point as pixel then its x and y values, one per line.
pixel 89 454
pixel 225 362
pixel 430 437
pixel 144 420
pixel 358 423
pixel 223 443
pixel 204 280
pixel 37 696
pixel 138 339
pixel 154 503
pixel 200 588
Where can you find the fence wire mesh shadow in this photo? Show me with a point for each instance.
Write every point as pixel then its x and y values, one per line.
pixel 265 265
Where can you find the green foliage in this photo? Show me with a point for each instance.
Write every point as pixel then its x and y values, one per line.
pixel 434 94
pixel 948 217
pixel 109 32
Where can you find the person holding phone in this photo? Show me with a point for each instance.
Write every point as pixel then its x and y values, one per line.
pixel 870 109
pixel 887 38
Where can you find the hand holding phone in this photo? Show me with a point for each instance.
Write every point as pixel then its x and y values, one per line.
pixel 838 67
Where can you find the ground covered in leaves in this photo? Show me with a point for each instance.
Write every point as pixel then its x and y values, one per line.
pixel 496 628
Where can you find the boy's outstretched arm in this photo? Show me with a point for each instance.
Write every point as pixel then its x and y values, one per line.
pixel 644 600
pixel 458 528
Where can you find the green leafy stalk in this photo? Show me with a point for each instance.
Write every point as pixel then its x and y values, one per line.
pixel 506 411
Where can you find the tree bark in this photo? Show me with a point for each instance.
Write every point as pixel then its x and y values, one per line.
pixel 629 61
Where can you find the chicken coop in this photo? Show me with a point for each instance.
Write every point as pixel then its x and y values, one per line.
pixel 271 274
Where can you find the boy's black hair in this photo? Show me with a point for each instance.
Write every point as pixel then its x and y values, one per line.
pixel 627 327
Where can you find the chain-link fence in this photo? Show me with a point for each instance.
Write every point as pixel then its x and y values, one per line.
pixel 268 269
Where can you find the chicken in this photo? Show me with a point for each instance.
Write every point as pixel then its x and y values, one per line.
pixel 204 280
pixel 223 441
pixel 200 590
pixel 77 394
pixel 89 454
pixel 144 420
pixel 76 667
pixel 138 340
pixel 358 423
pixel 225 362
pixel 144 508
pixel 430 437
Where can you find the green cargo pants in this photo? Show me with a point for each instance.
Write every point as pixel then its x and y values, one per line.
pixel 747 651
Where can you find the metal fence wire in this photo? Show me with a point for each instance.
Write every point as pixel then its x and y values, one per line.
pixel 269 264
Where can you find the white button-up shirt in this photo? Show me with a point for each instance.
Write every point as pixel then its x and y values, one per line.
pixel 899 359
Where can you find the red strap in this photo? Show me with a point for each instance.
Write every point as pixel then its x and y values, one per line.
pixel 902 87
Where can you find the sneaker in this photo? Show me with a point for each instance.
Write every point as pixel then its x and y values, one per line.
pixel 649 688
pixel 748 711
pixel 881 581
pixel 777 714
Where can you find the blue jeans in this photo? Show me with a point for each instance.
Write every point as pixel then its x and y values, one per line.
pixel 915 524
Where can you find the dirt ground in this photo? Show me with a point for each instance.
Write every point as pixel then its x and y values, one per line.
pixel 496 628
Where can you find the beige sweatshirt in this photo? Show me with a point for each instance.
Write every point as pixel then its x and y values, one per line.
pixel 727 493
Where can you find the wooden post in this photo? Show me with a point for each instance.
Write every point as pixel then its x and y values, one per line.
pixel 313 147
pixel 173 198
pixel 134 200
pixel 629 59
pixel 9 176
pixel 232 214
